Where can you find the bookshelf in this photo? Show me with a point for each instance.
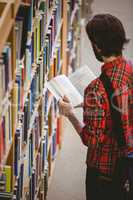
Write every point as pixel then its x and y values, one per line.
pixel 73 44
pixel 34 45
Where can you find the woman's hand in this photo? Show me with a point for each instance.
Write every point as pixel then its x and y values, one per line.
pixel 65 107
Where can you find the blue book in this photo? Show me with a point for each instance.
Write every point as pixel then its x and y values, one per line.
pixel 130 155
pixel 17 152
pixel 18 81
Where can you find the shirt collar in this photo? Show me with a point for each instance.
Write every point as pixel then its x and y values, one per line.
pixel 110 65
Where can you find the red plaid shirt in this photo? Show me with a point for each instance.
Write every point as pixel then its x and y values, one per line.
pixel 103 150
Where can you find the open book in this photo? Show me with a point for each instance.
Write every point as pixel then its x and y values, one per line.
pixel 72 86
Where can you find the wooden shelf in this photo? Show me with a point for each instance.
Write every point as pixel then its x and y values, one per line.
pixel 8 10
pixel 6 22
pixel 16 4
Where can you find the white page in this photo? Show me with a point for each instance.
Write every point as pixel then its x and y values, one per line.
pixel 72 86
pixel 81 78
pixel 60 86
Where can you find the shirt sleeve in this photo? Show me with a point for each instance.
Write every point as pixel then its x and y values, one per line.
pixel 93 117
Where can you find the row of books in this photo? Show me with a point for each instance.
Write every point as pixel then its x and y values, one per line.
pixel 23 76
pixel 29 32
pixel 23 26
pixel 32 154
pixel 51 45
pixel 5 72
pixel 24 99
pixel 73 34
pixel 46 6
pixel 31 118
pixel 28 109
pixel 36 157
pixel 27 160
pixel 5 133
pixel 41 193
pixel 36 28
pixel 25 68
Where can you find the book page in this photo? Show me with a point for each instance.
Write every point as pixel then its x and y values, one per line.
pixel 81 78
pixel 60 86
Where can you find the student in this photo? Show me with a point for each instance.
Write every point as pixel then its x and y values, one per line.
pixel 107 36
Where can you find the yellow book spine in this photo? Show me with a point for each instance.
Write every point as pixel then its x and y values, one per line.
pixel 7 170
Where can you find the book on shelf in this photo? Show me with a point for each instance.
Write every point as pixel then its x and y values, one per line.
pixel 18 151
pixel 72 86
pixel 5 196
pixel 7 171
pixel 5 133
pixel 5 179
pixel 23 25
pixel 5 71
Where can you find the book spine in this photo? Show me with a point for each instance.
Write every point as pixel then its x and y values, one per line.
pixel 5 179
pixel 7 170
pixel 18 151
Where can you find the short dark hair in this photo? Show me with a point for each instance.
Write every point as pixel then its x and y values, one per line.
pixel 107 32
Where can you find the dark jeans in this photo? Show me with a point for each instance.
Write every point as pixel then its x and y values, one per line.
pixel 98 188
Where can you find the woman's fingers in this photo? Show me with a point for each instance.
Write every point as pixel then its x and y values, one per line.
pixel 65 108
pixel 66 99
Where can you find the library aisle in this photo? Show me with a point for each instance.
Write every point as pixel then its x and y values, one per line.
pixel 40 39
pixel 69 174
